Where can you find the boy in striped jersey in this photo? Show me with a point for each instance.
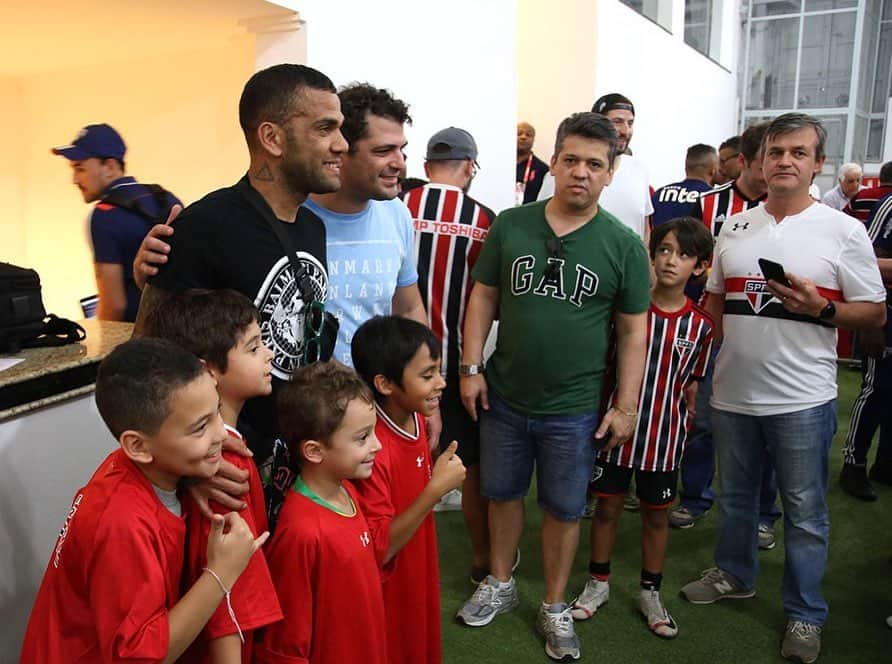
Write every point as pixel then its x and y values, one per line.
pixel 679 340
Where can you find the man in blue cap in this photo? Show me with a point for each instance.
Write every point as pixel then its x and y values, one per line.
pixel 124 213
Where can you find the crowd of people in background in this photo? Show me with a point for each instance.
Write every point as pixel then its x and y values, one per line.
pixel 330 351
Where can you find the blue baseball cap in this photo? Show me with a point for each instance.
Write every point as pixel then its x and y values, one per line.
pixel 96 140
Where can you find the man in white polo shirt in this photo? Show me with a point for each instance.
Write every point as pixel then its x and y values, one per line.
pixel 780 393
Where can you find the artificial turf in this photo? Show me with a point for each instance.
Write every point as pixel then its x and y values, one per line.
pixel 857 585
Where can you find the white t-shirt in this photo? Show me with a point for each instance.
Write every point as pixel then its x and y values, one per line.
pixel 772 361
pixel 628 197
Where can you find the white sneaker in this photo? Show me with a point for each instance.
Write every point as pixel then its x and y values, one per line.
pixel 650 604
pixel 489 600
pixel 450 502
pixel 561 642
pixel 595 594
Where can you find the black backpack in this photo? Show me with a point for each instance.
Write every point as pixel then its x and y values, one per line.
pixel 23 320
pixel 122 198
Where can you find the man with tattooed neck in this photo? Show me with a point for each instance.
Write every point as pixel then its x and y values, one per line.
pixel 291 117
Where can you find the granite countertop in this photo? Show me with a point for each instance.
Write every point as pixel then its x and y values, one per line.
pixel 48 363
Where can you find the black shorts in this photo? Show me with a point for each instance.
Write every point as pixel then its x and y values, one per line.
pixel 652 488
pixel 458 425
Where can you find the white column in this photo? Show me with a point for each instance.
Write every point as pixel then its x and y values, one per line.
pixel 278 39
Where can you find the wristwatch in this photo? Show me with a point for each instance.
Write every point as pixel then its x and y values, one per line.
pixel 828 312
pixel 470 369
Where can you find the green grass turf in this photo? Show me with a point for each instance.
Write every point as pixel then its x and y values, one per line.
pixel 857 586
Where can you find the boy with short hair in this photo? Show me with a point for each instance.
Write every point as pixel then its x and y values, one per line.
pixel 111 591
pixel 321 556
pixel 221 327
pixel 679 340
pixel 400 360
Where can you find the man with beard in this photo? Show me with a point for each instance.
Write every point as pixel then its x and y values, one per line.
pixel 371 261
pixel 291 118
pixel 628 196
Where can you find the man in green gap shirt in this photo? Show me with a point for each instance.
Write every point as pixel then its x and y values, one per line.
pixel 557 273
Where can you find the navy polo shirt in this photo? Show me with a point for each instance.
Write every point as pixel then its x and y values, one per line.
pixel 678 199
pixel 116 233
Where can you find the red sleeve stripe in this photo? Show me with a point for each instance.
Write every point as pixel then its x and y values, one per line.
pixel 738 285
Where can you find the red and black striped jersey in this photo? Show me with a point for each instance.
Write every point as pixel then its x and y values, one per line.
pixel 717 205
pixel 678 352
pixel 864 201
pixel 450 228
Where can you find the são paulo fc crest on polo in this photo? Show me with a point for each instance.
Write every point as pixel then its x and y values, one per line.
pixel 757 294
pixel 280 306
pixel 683 346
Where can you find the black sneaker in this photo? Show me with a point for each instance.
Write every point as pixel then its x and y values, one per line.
pixel 853 480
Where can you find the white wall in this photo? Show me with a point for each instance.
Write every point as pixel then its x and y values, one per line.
pixel 454 63
pixel 555 81
pixel 680 96
pixel 178 117
pixel 45 456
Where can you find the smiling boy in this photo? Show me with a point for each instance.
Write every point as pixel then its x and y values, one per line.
pixel 111 591
pixel 321 556
pixel 400 360
pixel 222 329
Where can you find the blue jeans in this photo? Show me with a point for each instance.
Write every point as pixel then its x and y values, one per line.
pixel 799 446
pixel 698 462
pixel 561 447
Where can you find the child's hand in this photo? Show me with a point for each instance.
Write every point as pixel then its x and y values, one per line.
pixel 230 546
pixel 449 471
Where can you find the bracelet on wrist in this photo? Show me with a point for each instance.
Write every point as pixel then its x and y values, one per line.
pixel 626 413
pixel 227 594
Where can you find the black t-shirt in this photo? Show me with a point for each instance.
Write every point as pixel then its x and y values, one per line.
pixel 538 169
pixel 222 241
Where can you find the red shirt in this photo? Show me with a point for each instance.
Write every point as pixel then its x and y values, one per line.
pixel 253 596
pixel 324 566
pixel 112 577
pixel 412 578
pixel 863 203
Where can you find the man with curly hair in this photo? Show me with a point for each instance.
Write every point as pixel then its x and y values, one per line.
pixel 370 236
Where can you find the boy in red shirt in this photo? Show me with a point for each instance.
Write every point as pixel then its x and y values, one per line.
pixel 111 591
pixel 679 338
pixel 222 329
pixel 321 555
pixel 400 360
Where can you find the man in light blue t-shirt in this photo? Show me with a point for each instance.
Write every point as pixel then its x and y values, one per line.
pixel 369 233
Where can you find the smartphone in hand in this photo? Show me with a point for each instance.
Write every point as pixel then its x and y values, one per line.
pixel 774 271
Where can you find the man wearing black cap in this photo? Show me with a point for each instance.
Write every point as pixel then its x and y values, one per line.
pixel 121 218
pixel 450 227
pixel 628 197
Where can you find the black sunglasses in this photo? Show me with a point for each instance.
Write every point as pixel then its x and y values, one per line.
pixel 555 248
pixel 314 322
